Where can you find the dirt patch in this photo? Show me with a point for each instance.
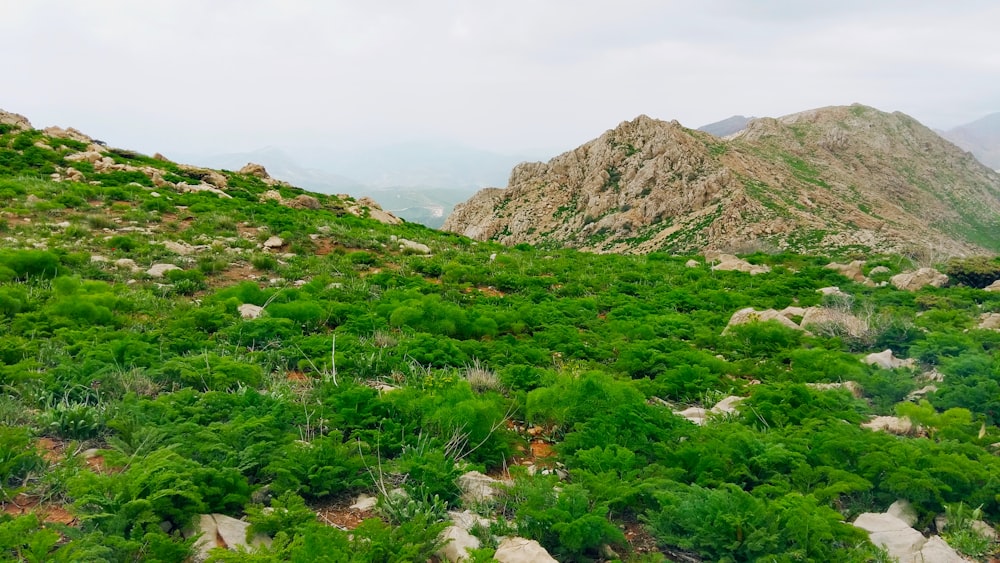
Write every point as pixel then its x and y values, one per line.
pixel 339 514
pixel 45 511
pixel 53 451
pixel 488 291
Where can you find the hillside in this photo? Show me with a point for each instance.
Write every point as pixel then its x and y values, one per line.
pixel 981 137
pixel 838 177
pixel 194 360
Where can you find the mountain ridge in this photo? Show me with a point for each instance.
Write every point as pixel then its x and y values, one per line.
pixel 834 177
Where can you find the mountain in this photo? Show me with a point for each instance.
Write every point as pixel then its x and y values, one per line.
pixel 981 138
pixel 822 179
pixel 727 126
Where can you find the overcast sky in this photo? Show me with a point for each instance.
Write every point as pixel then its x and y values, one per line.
pixel 237 75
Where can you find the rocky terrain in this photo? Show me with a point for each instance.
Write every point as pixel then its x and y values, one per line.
pixel 830 178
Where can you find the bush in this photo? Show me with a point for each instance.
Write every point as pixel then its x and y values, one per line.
pixel 977 271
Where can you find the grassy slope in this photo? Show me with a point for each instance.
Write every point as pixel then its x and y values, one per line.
pixel 195 409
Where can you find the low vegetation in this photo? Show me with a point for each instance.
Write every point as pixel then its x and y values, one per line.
pixel 135 403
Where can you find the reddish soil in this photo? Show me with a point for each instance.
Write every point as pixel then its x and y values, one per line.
pixel 47 512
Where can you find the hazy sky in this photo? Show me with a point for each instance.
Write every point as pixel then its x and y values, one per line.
pixel 236 75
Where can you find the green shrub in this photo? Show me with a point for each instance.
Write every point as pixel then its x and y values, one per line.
pixel 976 271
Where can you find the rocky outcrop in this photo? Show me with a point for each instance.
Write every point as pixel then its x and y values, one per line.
pixel 368 207
pixel 995 286
pixel 892 530
pixel 900 426
pixel 729 262
pixel 816 180
pixel 18 121
pixel 851 270
pixel 918 279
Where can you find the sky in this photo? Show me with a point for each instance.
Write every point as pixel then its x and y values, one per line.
pixel 221 76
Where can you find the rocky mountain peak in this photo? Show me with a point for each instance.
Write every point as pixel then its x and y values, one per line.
pixel 814 180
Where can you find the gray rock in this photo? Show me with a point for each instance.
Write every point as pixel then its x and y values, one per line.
pixel 520 550
pixel 912 281
pixel 157 270
pixel 886 360
pixel 274 242
pixel 219 530
pixel 459 543
pixel 250 311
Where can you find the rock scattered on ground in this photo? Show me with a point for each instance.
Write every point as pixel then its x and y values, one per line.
pixel 250 311
pixel 520 550
pixel 219 530
pixel 915 280
pixel 887 360
pixel 729 262
pixel 892 530
pixel 158 270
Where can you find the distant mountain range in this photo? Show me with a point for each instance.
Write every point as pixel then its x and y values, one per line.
pixel 981 138
pixel 727 126
pixel 824 179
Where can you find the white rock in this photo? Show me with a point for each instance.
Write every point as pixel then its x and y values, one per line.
pixel 731 262
pixel 900 426
pixel 250 311
pixel 459 543
pixel 219 530
pixel 912 281
pixel 364 503
pixel 157 270
pixel 696 415
pixel 520 550
pixel 886 360
pixel 995 286
pixel 903 510
pixel 851 386
pixel 692 263
pixel 409 246
pixel 477 487
pixel 750 315
pixel 832 290
pixel 274 242
pixel 127 263
pixel 727 405
pixel 989 321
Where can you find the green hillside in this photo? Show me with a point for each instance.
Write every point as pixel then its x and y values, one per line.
pixel 134 401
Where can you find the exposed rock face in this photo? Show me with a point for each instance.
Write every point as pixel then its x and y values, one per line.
pixel 989 321
pixel 891 424
pixel 816 180
pixel 17 120
pixel 371 208
pixel 851 271
pixel 913 281
pixel 995 286
pixel 460 541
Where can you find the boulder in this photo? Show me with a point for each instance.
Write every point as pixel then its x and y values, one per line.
pixel 995 286
pixel 900 426
pixel 412 247
pixel 886 360
pixel 476 487
pixel 364 503
pixel 903 510
pixel 520 550
pixel 851 271
pixel 459 542
pixel 989 321
pixel 692 263
pixel 834 291
pixel 839 321
pixel 182 248
pixel 913 281
pixel 851 386
pixel 274 242
pixel 729 262
pixel 727 405
pixel 879 270
pixel 304 202
pixel 367 206
pixel 70 133
pixel 127 263
pixel 158 270
pixel 893 534
pixel 250 311
pixel 257 170
pixel 750 315
pixel 219 530
pixel 696 415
